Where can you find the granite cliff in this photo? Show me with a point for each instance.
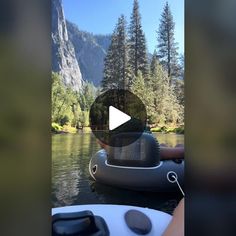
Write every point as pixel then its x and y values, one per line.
pixel 64 60
pixel 90 51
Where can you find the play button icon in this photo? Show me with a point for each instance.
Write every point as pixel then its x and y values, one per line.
pixel 117 118
pixel 117 113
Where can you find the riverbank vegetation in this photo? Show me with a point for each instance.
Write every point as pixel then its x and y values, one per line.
pixel 158 81
pixel 70 109
pixel 166 130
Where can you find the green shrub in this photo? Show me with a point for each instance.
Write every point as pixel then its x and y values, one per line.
pixel 87 130
pixel 170 130
pixel 179 130
pixel 69 129
pixel 158 129
pixel 56 127
pixel 64 120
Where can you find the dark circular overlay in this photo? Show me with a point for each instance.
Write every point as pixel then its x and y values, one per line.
pixel 126 102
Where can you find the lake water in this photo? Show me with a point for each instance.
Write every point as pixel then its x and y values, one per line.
pixel 71 183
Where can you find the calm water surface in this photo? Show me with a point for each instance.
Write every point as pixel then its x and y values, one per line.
pixel 71 183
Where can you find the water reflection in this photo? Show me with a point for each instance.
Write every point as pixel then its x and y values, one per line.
pixel 71 183
pixel 170 140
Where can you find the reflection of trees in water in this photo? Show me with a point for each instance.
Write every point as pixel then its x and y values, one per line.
pixel 66 187
pixel 70 175
pixel 70 159
pixel 67 174
pixel 171 140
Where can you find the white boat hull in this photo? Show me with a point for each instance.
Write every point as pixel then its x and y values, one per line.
pixel 114 217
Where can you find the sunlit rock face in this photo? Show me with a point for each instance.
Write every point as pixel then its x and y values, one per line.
pixel 63 54
pixel 90 51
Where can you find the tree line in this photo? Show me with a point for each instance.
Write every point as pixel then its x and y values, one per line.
pixel 159 83
pixel 71 107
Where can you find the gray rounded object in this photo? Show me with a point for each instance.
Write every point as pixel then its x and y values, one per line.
pixel 136 178
pixel 138 222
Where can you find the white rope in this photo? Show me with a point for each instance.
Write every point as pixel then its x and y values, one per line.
pixel 176 180
pixel 175 177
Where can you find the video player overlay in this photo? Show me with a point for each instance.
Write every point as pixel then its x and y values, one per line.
pixel 116 104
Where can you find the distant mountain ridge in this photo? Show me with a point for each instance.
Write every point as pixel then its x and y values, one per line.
pixel 77 55
pixel 90 51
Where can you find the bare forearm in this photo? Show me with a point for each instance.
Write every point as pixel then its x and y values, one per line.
pixel 176 226
pixel 171 153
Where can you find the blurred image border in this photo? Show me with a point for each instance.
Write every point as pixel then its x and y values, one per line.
pixel 210 127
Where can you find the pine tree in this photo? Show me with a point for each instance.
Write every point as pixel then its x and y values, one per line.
pixel 109 73
pixel 137 43
pixel 178 86
pixel 167 47
pixel 160 84
pixel 179 82
pixel 123 56
pixel 181 66
pixel 154 63
pixel 142 89
pixel 117 72
pixel 167 108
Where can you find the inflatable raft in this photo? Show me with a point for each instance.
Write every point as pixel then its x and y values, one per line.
pixel 137 166
pixel 104 220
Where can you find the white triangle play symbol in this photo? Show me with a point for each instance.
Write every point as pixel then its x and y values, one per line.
pixel 117 118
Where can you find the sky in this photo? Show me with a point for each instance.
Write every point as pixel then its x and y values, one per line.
pixel 100 16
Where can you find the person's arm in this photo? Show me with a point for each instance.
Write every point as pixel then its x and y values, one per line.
pixel 102 145
pixel 176 225
pixel 171 153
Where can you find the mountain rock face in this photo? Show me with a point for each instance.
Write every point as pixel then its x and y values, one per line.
pixel 64 60
pixel 90 51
